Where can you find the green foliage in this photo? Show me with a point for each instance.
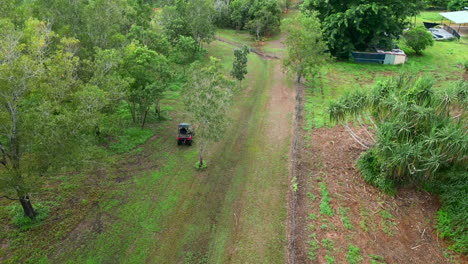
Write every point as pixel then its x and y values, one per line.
pixel 150 74
pixel 354 255
pixel 345 218
pixel 329 259
pixel 303 58
pixel 201 166
pixel 418 141
pixel 265 18
pixel 358 25
pixel 328 244
pixel 190 19
pixel 369 165
pixel 375 259
pixel 131 138
pixel 325 207
pixel 208 102
pixel 313 247
pixel 418 39
pixel 452 217
pixel 457 5
pixel 185 51
pixel 416 136
pixel 260 17
pixel 23 222
pixel 239 66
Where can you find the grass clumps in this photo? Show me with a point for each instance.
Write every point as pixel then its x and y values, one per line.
pixel 201 166
pixel 354 255
pixel 313 247
pixel 325 207
pixel 345 218
pixel 23 222
pixel 375 259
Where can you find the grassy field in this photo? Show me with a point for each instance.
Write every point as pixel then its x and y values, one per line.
pixel 444 62
pixel 149 204
pixel 146 203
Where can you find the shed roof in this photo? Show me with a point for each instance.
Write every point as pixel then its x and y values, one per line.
pixel 458 17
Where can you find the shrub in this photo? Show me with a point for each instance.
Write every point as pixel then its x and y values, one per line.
pixel 369 165
pixel 199 166
pixel 418 39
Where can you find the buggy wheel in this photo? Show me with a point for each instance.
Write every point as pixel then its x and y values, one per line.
pixel 188 143
pixel 179 142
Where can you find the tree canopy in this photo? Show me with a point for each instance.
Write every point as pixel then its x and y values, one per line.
pixel 360 25
pixel 307 51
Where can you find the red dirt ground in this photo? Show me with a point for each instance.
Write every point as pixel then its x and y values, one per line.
pixel 329 157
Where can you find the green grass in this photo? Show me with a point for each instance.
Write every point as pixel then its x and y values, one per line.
pixel 130 138
pixel 344 211
pixel 328 244
pixel 325 207
pixel 313 247
pixel 23 222
pixel 429 16
pixel 443 61
pixel 311 196
pixel 375 259
pixel 329 259
pixel 387 222
pixel 354 255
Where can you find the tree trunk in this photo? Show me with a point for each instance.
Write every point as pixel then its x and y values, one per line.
pixel 132 111
pixel 157 109
pixel 321 85
pixel 144 119
pixel 201 160
pixel 298 78
pixel 201 149
pixel 27 206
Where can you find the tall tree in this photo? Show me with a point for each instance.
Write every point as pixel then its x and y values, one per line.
pixel 41 112
pixel 239 66
pixel 150 74
pixel 307 52
pixel 265 18
pixel 208 102
pixel 359 25
pixel 193 18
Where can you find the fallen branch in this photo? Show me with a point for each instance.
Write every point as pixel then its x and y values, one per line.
pixel 356 138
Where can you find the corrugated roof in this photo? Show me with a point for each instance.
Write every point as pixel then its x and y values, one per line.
pixel 459 17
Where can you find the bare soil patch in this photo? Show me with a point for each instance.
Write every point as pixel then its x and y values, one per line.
pixel 399 228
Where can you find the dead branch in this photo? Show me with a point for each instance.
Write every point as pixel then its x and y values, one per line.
pixel 356 138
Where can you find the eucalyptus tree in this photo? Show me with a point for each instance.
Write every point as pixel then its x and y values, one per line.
pixel 45 110
pixel 307 52
pixel 208 100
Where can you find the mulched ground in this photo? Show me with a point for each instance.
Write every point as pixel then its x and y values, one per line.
pixel 399 228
